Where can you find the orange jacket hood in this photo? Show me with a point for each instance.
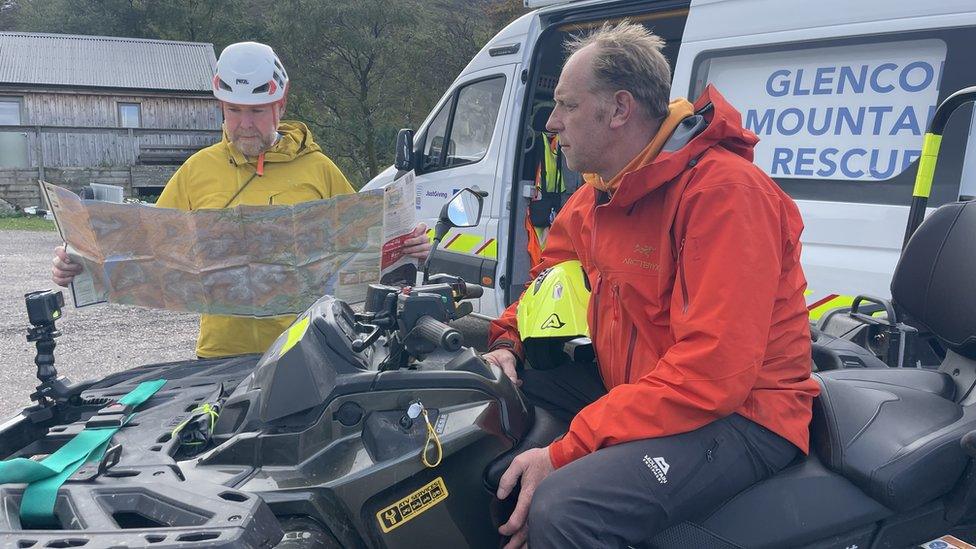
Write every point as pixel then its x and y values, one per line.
pixel 678 110
pixel 724 129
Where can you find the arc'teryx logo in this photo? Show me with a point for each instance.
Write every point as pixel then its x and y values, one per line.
pixel 643 250
pixel 553 322
pixel 659 467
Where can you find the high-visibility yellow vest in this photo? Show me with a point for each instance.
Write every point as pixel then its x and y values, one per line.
pixel 549 189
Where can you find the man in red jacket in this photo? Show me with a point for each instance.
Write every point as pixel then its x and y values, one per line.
pixel 697 312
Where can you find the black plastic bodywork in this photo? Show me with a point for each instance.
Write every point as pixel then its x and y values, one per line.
pixel 311 428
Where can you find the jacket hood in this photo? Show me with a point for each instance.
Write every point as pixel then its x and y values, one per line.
pixel 724 128
pixel 295 141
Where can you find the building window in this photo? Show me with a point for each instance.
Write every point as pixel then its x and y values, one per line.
pixel 13 144
pixel 130 115
pixel 10 111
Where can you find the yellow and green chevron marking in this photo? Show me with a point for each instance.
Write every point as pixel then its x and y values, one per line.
pixel 466 243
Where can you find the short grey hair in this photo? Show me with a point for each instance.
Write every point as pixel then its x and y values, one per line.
pixel 628 57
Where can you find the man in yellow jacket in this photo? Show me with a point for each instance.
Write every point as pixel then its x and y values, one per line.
pixel 261 160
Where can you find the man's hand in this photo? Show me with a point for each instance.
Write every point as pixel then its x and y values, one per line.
pixel 64 270
pixel 504 359
pixel 531 466
pixel 418 244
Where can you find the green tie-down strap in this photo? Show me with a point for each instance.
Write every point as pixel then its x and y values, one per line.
pixel 44 477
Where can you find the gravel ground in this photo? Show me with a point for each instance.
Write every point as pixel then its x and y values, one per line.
pixel 97 340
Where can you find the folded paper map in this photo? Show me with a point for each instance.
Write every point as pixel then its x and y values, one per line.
pixel 247 260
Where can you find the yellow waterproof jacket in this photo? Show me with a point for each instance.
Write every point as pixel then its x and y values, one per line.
pixel 295 170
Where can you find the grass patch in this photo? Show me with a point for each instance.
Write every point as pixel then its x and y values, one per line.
pixel 25 223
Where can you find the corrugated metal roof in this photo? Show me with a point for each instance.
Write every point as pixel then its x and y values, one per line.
pixel 105 62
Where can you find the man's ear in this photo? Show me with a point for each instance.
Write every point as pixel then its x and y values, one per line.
pixel 623 107
pixel 281 106
pixel 284 100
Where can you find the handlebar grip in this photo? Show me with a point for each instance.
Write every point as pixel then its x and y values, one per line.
pixel 472 291
pixel 438 333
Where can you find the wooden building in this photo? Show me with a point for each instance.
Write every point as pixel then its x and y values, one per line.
pixel 76 110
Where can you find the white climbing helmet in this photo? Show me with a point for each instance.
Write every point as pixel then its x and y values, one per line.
pixel 249 73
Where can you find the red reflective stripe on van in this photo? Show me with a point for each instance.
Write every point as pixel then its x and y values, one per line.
pixel 821 302
pixel 483 246
pixel 451 241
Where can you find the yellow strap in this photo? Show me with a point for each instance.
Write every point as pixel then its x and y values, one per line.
pixel 431 436
pixel 926 165
pixel 205 408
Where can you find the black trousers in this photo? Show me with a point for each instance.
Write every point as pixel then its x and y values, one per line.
pixel 626 494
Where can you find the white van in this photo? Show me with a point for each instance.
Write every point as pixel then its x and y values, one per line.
pixel 839 92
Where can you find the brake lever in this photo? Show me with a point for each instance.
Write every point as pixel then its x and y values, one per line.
pixel 463 309
pixel 359 344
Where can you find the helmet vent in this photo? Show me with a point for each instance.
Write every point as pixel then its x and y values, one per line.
pixel 261 89
pixel 223 85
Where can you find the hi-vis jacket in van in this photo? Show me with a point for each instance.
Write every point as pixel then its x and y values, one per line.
pixel 697 310
pixel 294 170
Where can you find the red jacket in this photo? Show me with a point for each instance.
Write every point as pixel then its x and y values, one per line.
pixel 697 310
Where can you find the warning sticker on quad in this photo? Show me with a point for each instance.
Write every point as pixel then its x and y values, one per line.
pixel 417 503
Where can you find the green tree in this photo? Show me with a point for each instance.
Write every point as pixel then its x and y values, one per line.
pixel 344 60
pixel 359 69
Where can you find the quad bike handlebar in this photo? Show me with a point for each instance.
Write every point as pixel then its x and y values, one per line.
pixel 439 333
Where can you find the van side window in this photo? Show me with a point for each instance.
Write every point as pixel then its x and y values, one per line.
pixel 435 138
pixel 842 120
pixel 461 131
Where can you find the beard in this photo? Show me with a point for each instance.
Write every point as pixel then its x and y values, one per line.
pixel 253 145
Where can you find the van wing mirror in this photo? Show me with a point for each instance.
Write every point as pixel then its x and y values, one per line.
pixel 405 158
pixel 463 210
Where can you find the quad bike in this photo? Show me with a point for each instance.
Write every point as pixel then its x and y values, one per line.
pixel 380 429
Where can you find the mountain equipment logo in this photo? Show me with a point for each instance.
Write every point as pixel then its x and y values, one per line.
pixel 659 467
pixel 553 322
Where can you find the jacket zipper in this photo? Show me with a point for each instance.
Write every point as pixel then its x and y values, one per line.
pixel 596 297
pixel 681 278
pixel 596 322
pixel 630 352
pixel 596 307
pixel 614 322
pixel 615 290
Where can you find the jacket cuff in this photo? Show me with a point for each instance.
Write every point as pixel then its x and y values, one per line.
pixel 511 345
pixel 562 452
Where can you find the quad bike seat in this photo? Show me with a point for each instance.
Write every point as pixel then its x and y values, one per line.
pixel 897 442
pixel 895 432
pixel 545 429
